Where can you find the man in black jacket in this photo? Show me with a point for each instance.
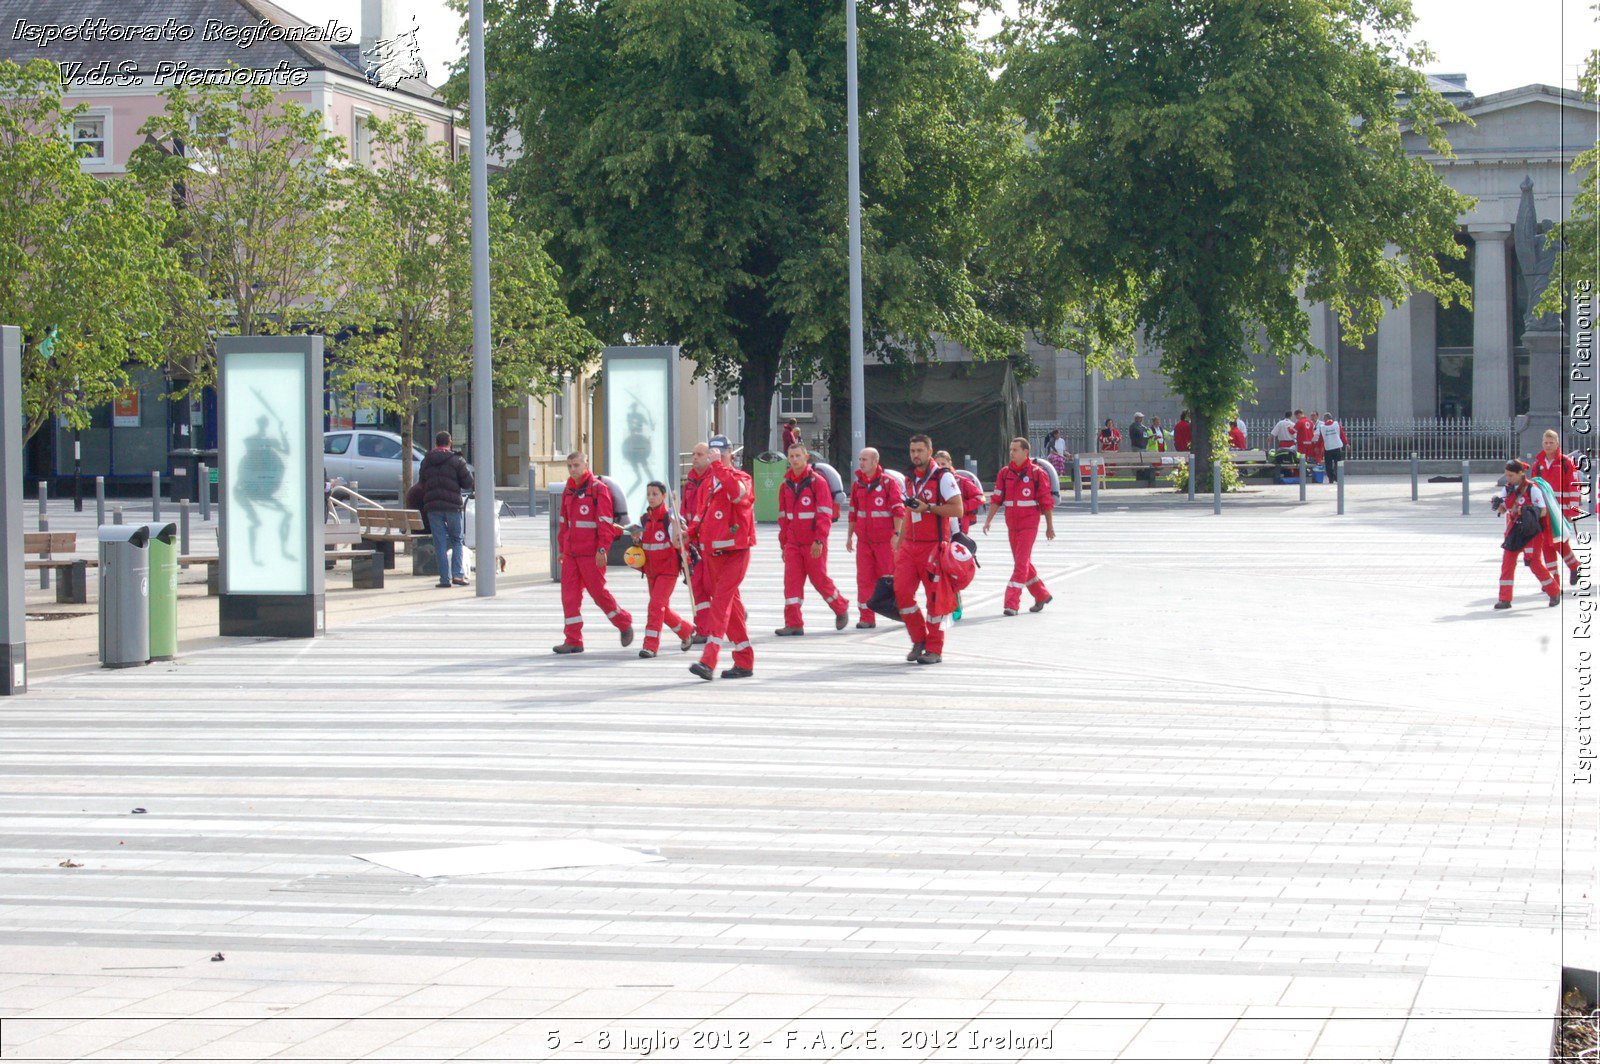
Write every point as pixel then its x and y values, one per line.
pixel 442 478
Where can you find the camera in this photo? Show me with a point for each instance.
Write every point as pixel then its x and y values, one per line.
pixel 913 502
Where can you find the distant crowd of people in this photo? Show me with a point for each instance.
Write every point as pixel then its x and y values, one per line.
pixel 1320 438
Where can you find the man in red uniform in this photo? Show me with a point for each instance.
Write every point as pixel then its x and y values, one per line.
pixel 877 506
pixel 1518 495
pixel 1305 430
pixel 1561 473
pixel 1236 437
pixel 805 516
pixel 1182 433
pixel 699 584
pixel 660 538
pixel 584 534
pixel 725 529
pixel 1024 493
pixel 933 500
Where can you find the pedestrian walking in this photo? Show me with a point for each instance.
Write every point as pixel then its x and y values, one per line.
pixel 689 506
pixel 442 478
pixel 1527 527
pixel 971 492
pixel 586 531
pixel 725 530
pixel 877 507
pixel 1022 491
pixel 1561 474
pixel 791 434
pixel 661 539
pixel 805 517
pixel 933 501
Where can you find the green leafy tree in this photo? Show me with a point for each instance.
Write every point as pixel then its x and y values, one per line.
pixel 1580 233
pixel 78 255
pixel 411 290
pixel 688 159
pixel 1198 164
pixel 261 190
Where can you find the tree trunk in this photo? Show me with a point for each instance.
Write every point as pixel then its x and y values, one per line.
pixel 408 433
pixel 1200 446
pixel 841 451
pixel 757 385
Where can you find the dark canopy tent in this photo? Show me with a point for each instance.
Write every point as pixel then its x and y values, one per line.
pixel 967 407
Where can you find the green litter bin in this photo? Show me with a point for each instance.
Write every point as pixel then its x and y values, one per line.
pixel 163 590
pixel 769 470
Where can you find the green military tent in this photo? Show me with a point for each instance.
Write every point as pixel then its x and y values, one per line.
pixel 969 408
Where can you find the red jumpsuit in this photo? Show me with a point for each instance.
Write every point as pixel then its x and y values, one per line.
pixel 1236 439
pixel 913 562
pixel 1561 473
pixel 1025 495
pixel 699 583
pixel 1182 435
pixel 1305 431
pixel 874 505
pixel 586 529
pixel 1515 499
pixel 725 529
pixel 662 566
pixel 805 516
pixel 971 501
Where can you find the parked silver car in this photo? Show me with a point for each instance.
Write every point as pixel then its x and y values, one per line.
pixel 367 457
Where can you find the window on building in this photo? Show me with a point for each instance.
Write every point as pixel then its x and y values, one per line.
pixel 795 398
pixel 560 429
pixel 1455 383
pixel 89 137
pixel 1454 323
pixel 361 138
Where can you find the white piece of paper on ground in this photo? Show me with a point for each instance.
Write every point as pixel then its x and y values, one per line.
pixel 506 857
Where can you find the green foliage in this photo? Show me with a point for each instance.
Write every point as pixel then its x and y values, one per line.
pixel 78 253
pixel 1198 165
pixel 260 187
pixel 1580 260
pixel 1222 458
pixel 410 293
pixel 688 159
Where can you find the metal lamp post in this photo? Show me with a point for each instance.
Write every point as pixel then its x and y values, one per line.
pixel 858 399
pixel 482 365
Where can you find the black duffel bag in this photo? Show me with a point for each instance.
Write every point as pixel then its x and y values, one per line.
pixel 1523 531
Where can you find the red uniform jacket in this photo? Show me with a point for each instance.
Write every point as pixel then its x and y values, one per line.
pixel 874 504
pixel 1236 438
pixel 726 520
pixel 586 512
pixel 1182 435
pixel 1515 499
pixel 1561 473
pixel 921 526
pixel 805 509
pixel 1305 430
pixel 694 489
pixel 655 537
pixel 1024 491
pixel 971 500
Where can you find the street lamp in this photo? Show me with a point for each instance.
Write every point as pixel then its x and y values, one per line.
pixel 482 366
pixel 858 398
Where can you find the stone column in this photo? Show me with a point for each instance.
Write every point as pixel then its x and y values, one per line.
pixel 1491 322
pixel 1394 363
pixel 1424 308
pixel 1308 387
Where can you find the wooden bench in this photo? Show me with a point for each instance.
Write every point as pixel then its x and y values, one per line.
pixel 1256 461
pixel 72 574
pixel 1157 463
pixel 384 528
pixel 213 566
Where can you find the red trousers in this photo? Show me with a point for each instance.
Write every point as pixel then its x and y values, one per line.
pixel 1533 554
pixel 579 573
pixel 1564 548
pixel 798 567
pixel 700 592
pixel 873 560
pixel 910 572
pixel 1023 574
pixel 661 611
pixel 725 619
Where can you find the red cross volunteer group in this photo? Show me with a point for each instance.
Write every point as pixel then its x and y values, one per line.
pixel 905 531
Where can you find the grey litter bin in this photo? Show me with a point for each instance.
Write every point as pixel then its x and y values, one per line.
pixel 124 595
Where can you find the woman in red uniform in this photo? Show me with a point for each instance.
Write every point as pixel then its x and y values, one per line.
pixel 1518 496
pixel 660 539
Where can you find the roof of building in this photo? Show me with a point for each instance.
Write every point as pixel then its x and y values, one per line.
pixel 200 51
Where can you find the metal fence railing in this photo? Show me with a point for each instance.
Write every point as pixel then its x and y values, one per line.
pixel 1436 438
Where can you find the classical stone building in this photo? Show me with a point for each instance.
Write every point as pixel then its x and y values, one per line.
pixel 1489 363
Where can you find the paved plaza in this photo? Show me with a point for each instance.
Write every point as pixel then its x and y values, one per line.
pixel 1270 785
